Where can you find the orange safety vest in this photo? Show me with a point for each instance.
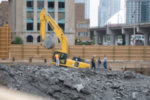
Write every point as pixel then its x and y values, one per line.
pixel 57 56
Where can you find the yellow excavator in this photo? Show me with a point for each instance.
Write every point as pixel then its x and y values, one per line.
pixel 63 53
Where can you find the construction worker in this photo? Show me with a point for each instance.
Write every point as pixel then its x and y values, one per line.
pixel 77 62
pixel 98 63
pixel 93 62
pixel 57 59
pixel 105 62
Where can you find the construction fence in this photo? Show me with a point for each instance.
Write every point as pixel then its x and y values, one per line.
pixel 113 53
pixel 5 41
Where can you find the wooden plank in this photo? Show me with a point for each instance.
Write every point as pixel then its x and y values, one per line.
pixel 5 41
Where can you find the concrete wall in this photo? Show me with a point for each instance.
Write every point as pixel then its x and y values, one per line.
pixel 24 35
pixel 70 16
pixel 79 11
pixel 4 12
pixel 17 19
pixel 12 14
pixel 19 15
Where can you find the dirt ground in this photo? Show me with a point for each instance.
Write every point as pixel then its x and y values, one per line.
pixel 75 84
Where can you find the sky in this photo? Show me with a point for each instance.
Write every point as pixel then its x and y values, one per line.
pixel 3 0
pixel 93 12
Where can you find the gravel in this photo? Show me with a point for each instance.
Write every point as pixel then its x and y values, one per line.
pixel 75 84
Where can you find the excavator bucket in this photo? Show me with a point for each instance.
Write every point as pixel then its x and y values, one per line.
pixel 48 43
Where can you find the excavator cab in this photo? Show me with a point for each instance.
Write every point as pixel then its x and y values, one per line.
pixel 62 57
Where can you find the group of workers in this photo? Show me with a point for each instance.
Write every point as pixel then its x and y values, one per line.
pixel 93 63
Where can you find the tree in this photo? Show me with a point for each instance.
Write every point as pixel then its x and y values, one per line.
pixel 18 40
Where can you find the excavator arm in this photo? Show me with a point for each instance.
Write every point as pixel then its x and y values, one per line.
pixel 44 18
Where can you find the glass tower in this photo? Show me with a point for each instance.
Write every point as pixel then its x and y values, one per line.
pixel 137 11
pixel 107 8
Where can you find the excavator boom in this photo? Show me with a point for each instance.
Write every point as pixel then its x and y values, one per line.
pixel 44 18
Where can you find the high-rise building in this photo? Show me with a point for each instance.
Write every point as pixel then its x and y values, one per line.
pixel 24 18
pixel 120 16
pixel 87 7
pixel 4 12
pixel 107 8
pixel 81 24
pixel 137 11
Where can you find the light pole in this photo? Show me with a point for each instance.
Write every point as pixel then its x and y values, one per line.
pixel 134 35
pixel 134 28
pixel 118 18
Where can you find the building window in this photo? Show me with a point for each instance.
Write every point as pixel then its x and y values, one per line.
pixel 30 38
pixel 107 39
pixel 39 38
pixel 82 25
pixel 50 4
pixel 38 26
pixel 61 15
pixel 40 4
pixel 38 16
pixel 49 28
pixel 58 41
pixel 29 26
pixel 30 15
pixel 52 14
pixel 62 26
pixel 30 4
pixel 82 34
pixel 61 5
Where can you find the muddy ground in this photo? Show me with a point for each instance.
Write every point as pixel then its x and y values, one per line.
pixel 75 84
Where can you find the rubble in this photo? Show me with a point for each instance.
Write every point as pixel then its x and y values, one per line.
pixel 76 84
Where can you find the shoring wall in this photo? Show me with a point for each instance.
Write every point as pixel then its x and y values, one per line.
pixel 5 41
pixel 114 53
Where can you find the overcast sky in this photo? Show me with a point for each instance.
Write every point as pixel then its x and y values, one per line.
pixel 3 0
pixel 93 12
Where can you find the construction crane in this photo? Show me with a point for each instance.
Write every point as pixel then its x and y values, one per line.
pixel 63 53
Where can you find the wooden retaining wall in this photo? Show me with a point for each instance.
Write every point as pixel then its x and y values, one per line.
pixel 114 53
pixel 5 41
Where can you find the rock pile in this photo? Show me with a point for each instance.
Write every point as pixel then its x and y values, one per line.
pixel 76 84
